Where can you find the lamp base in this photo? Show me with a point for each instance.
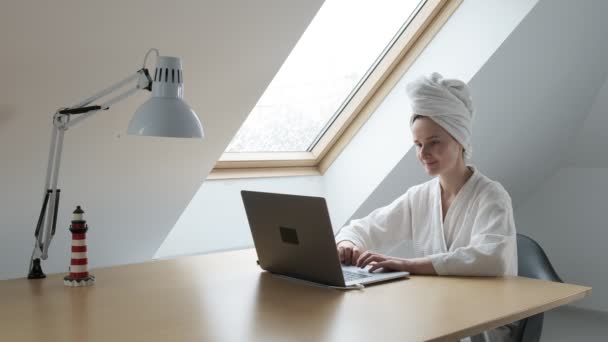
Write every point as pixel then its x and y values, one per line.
pixel 36 271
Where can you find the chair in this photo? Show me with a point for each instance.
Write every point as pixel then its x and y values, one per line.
pixel 532 262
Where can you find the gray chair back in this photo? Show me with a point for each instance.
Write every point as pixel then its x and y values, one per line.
pixel 532 262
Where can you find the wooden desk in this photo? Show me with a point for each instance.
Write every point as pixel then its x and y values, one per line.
pixel 226 297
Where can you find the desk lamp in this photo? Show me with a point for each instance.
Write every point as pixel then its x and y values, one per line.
pixel 165 114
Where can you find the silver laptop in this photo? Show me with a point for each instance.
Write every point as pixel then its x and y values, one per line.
pixel 293 237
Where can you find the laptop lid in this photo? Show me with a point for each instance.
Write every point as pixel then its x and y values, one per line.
pixel 293 236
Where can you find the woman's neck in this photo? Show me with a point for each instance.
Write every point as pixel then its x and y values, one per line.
pixel 453 180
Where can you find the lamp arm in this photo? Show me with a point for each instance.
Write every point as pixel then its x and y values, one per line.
pixel 144 81
pixel 45 228
pixel 118 85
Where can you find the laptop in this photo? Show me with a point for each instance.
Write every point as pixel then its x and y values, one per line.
pixel 293 237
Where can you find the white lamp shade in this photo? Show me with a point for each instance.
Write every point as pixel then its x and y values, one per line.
pixel 166 114
pixel 166 117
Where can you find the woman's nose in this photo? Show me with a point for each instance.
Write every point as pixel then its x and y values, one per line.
pixel 424 150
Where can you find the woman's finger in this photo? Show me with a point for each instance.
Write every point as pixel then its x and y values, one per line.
pixel 370 258
pixel 348 255
pixel 378 265
pixel 390 265
pixel 341 254
pixel 362 257
pixel 356 255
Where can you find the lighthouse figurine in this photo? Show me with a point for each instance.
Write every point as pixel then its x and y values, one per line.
pixel 79 274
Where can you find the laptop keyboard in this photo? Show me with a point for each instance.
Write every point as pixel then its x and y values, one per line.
pixel 349 276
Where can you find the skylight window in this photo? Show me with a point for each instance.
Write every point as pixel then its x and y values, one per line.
pixel 333 57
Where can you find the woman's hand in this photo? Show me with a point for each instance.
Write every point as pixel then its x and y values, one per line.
pixel 378 261
pixel 348 252
pixel 388 263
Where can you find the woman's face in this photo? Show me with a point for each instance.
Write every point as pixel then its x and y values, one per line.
pixel 436 149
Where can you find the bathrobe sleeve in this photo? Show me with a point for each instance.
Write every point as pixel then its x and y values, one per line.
pixel 492 249
pixel 384 227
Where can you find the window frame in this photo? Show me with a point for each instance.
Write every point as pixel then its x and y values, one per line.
pixel 363 102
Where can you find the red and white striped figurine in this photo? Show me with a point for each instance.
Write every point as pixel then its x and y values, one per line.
pixel 79 275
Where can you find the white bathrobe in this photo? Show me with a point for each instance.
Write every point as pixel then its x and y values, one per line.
pixel 477 237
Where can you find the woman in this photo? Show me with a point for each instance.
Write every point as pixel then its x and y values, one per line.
pixel 460 222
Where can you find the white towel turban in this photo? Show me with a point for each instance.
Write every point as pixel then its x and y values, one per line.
pixel 445 101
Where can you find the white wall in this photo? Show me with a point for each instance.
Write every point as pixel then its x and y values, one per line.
pixel 215 218
pixel 132 189
pixel 360 168
pixel 567 214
